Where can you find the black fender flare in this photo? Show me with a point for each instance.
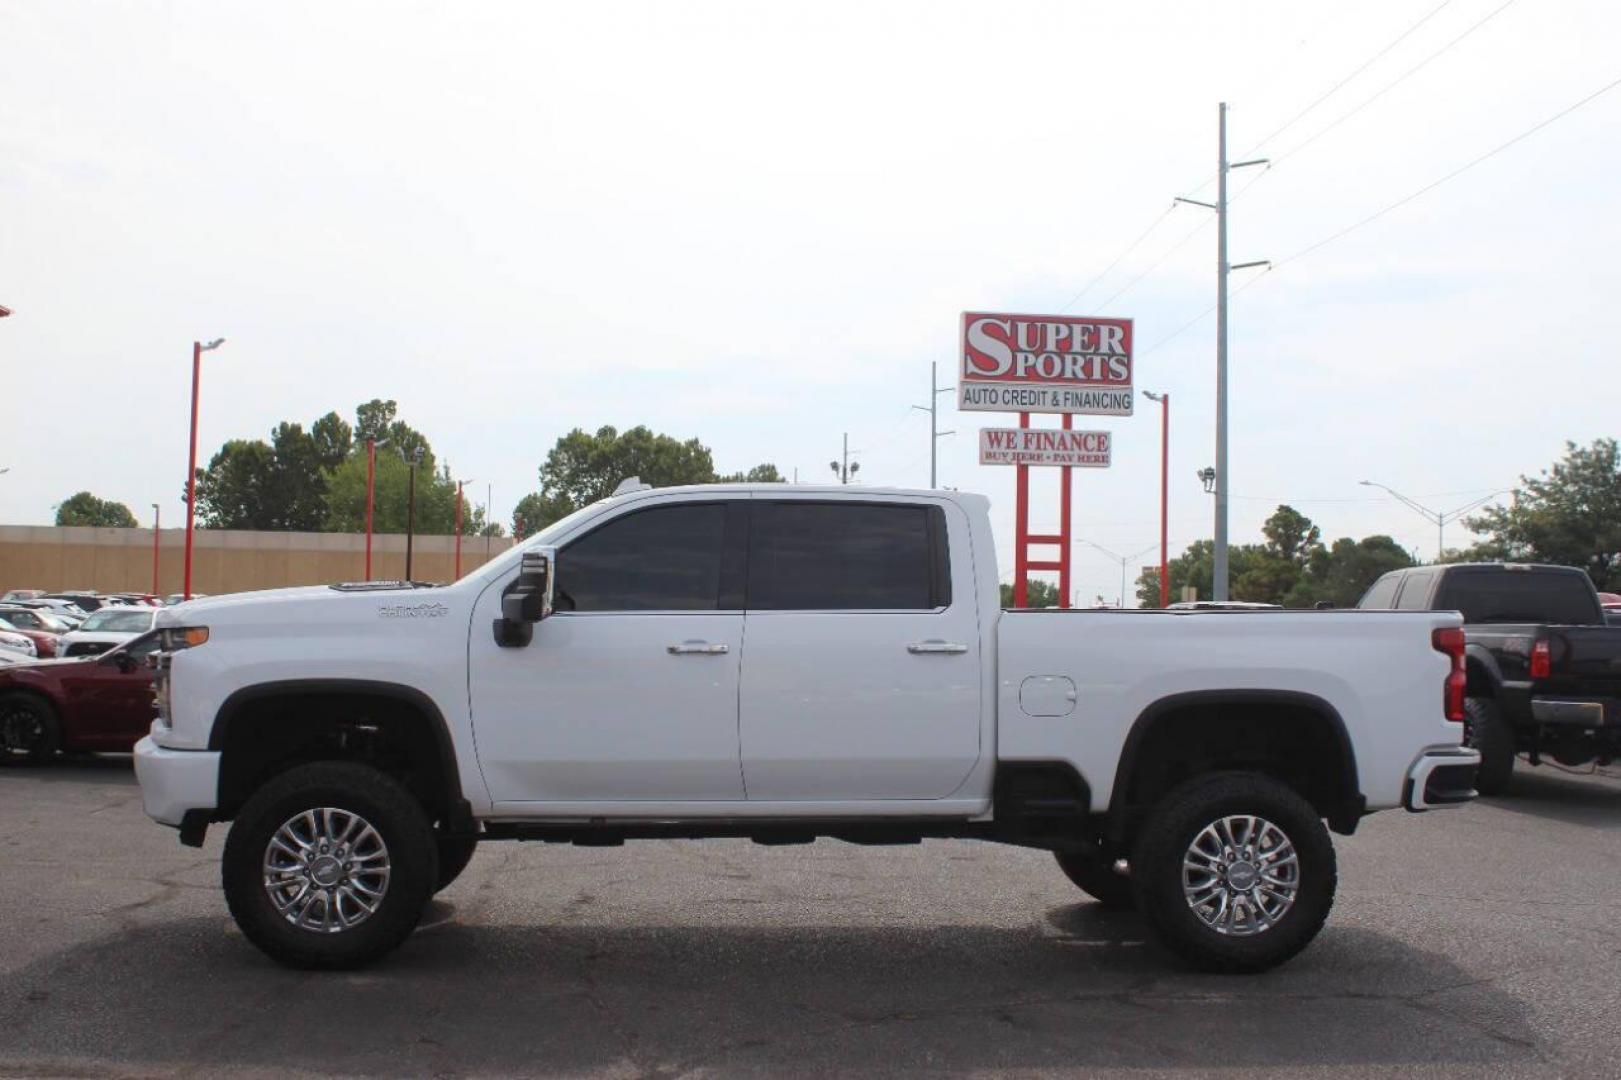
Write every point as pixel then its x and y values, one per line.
pixel 459 810
pixel 1481 657
pixel 1146 720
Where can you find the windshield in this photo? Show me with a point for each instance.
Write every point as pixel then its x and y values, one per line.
pixel 134 622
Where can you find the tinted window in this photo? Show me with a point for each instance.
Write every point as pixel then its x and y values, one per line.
pixel 1415 592
pixel 1489 595
pixel 847 556
pixel 664 559
pixel 1382 592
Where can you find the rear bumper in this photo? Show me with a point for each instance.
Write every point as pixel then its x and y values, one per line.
pixel 1581 714
pixel 174 782
pixel 1441 778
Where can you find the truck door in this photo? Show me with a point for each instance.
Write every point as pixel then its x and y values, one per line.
pixel 628 691
pixel 861 666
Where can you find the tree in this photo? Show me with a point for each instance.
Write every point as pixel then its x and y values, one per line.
pixel 372 419
pixel 84 508
pixel 1042 594
pixel 1342 573
pixel 1291 536
pixel 1570 515
pixel 582 468
pixel 279 485
pixel 435 497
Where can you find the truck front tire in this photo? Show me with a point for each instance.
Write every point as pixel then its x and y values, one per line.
pixel 1234 872
pixel 1486 731
pixel 1097 879
pixel 329 865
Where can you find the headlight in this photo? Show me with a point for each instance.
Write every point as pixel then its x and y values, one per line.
pixel 174 638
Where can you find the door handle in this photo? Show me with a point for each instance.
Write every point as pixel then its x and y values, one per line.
pixel 929 647
pixel 697 648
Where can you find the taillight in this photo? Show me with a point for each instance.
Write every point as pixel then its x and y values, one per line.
pixel 1541 659
pixel 1449 640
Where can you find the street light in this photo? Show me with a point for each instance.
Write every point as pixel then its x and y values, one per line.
pixel 1207 477
pixel 371 484
pixel 1439 517
pixel 1123 560
pixel 197 350
pixel 157 523
pixel 413 461
pixel 1164 493
pixel 459 485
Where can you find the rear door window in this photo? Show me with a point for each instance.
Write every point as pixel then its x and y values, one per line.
pixel 1415 591
pixel 848 556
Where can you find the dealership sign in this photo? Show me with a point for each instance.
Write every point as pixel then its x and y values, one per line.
pixel 1045 446
pixel 1045 363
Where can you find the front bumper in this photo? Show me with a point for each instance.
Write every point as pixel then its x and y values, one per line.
pixel 1440 779
pixel 174 782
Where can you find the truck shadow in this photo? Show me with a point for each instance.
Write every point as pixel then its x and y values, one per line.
pixel 1590 799
pixel 1077 990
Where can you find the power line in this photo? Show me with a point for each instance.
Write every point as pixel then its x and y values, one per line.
pixel 1118 258
pixel 1432 185
pixel 1403 77
pixel 1157 263
pixel 1331 91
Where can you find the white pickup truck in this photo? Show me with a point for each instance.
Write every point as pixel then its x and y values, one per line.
pixel 785 663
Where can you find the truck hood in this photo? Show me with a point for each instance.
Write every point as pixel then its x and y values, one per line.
pixel 312 604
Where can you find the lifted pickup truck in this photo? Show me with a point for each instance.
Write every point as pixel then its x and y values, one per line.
pixel 786 663
pixel 1544 667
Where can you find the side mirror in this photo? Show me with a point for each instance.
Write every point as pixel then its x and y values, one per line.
pixel 528 599
pixel 123 661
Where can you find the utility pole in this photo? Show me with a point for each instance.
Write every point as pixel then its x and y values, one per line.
pixel 847 470
pixel 1219 585
pixel 935 434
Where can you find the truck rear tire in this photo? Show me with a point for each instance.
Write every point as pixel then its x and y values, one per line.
pixel 1097 879
pixel 329 865
pixel 1487 731
pixel 455 852
pixel 1234 872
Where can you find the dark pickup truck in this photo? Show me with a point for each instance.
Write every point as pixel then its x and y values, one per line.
pixel 1544 668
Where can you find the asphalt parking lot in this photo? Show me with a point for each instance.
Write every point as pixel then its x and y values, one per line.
pixel 1476 942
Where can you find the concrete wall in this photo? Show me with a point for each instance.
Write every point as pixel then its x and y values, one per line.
pixel 120 560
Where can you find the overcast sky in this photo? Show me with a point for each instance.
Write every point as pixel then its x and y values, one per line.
pixel 758 224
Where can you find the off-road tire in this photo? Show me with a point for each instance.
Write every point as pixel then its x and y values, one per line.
pixel 1170 830
pixel 28 729
pixel 455 852
pixel 359 789
pixel 1486 731
pixel 1097 879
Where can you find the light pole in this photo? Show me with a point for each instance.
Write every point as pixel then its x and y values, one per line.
pixel 1439 517
pixel 1222 486
pixel 410 504
pixel 935 434
pixel 197 350
pixel 371 487
pixel 459 485
pixel 157 523
pixel 1164 493
pixel 1123 560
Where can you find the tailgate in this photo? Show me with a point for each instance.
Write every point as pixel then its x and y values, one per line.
pixel 1584 661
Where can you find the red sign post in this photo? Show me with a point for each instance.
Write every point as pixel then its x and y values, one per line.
pixel 1052 364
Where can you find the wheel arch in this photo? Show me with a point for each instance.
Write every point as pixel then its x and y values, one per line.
pixel 1482 671
pixel 1348 807
pixel 250 705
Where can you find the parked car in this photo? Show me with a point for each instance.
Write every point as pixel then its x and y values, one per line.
pixel 1544 667
pixel 179 598
pixel 22 594
pixel 45 644
pixel 1182 762
pixel 21 644
pixel 112 625
pixel 94 703
pixel 24 616
pixel 87 602
pixel 62 609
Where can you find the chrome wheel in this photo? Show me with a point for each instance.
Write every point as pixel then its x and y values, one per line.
pixel 326 870
pixel 1241 875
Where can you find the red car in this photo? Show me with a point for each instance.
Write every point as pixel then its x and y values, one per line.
pixel 44 641
pixel 92 703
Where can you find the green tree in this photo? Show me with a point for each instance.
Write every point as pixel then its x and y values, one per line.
pixel 84 508
pixel 372 420
pixel 435 497
pixel 583 467
pixel 1342 573
pixel 1043 594
pixel 1570 515
pixel 279 485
